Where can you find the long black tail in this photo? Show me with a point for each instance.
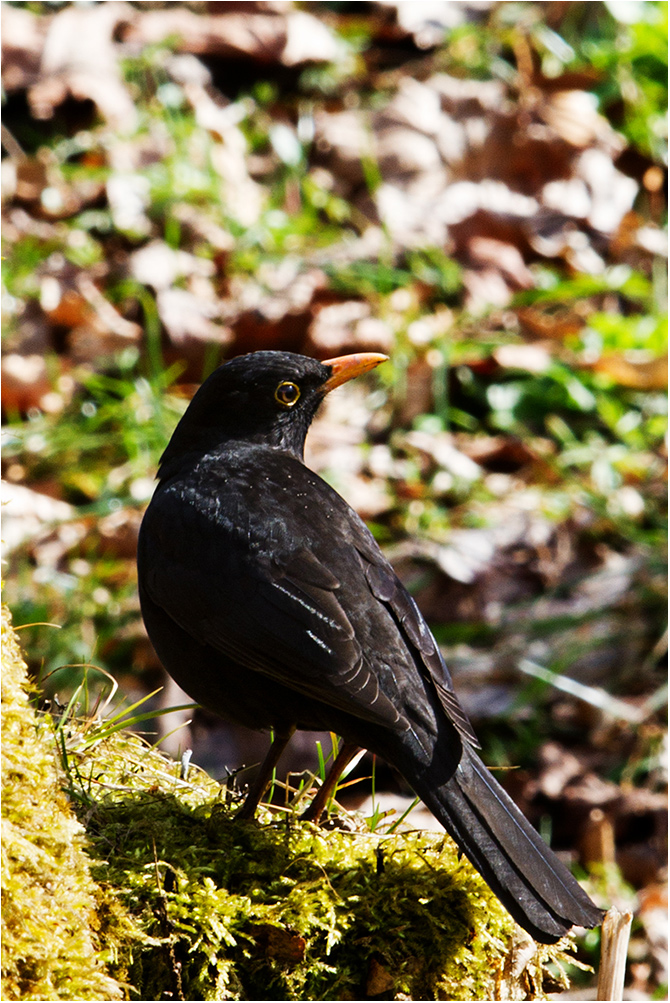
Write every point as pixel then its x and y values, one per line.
pixel 516 863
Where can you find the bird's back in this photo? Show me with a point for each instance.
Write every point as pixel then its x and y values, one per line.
pixel 255 557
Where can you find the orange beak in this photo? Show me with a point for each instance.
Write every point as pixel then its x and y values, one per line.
pixel 347 366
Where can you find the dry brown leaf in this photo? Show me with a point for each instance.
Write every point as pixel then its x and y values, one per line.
pixel 278 319
pixel 31 179
pixel 25 381
pixel 485 287
pixel 415 105
pixel 642 373
pixel 65 307
pixel 380 979
pixel 80 58
pixel 230 35
pixel 463 97
pixel 612 192
pixel 26 514
pixel 428 21
pixel 160 266
pixel 128 193
pixel 558 768
pixel 73 301
pixel 573 115
pixel 402 151
pixel 347 327
pixel 343 138
pixel 97 329
pixel 289 38
pixel 22 44
pixel 309 40
pixel 499 453
pixel 285 945
pixel 531 358
pixel 490 210
pixel 229 157
pixel 555 326
pixel 487 252
pixel 38 183
pixel 419 392
pixel 118 532
pixel 189 318
pixel 199 224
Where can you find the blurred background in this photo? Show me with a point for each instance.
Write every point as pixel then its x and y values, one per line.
pixel 477 189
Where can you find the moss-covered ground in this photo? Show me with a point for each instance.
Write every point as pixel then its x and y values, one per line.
pixel 122 878
pixel 51 943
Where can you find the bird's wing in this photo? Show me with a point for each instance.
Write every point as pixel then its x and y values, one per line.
pixel 387 587
pixel 283 619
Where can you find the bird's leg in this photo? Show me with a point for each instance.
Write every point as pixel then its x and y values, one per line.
pixel 259 785
pixel 323 795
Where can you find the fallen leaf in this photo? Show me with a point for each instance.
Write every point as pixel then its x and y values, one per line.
pixel 347 327
pixel 553 326
pixel 283 944
pixel 27 513
pixel 128 194
pixel 160 266
pixel 25 381
pixel 189 318
pixel 117 533
pixel 502 454
pixel 483 252
pixel 428 21
pixel 22 45
pixel 31 179
pixel 343 139
pixel 637 373
pixel 231 35
pixel 271 36
pixel 573 115
pixel 415 105
pixel 309 40
pixel 558 768
pixel 612 192
pixel 379 979
pixel 531 358
pixel 87 72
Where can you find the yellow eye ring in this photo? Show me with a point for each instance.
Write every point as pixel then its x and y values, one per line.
pixel 287 393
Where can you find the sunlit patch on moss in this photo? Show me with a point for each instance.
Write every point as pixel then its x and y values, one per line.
pixel 50 944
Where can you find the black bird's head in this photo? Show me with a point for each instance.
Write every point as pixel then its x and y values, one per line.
pixel 264 397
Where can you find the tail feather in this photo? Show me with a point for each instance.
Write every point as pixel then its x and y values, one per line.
pixel 525 874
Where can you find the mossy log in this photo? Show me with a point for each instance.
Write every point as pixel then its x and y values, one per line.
pixel 137 884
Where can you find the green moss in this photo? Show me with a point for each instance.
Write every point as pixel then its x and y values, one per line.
pixel 49 946
pixel 191 904
pixel 281 909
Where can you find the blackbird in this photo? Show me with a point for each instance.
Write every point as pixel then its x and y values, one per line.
pixel 269 602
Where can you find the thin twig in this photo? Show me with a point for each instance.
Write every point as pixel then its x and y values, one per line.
pixel 613 951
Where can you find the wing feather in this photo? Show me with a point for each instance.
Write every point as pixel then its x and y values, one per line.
pixel 282 620
pixel 388 588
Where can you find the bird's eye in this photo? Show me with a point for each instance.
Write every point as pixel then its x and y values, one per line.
pixel 287 393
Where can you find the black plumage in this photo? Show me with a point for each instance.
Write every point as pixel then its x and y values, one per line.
pixel 270 603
